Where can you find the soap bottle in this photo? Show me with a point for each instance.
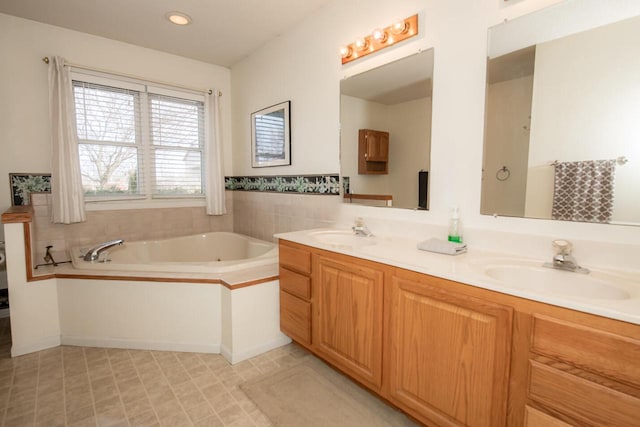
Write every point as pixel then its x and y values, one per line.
pixel 455 226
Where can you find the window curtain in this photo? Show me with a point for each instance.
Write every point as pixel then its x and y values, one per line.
pixel 214 171
pixel 66 180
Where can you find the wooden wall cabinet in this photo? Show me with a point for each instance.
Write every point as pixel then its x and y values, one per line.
pixel 451 354
pixel 373 152
pixel 348 316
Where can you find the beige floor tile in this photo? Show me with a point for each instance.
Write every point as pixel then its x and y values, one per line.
pixel 213 421
pixel 111 418
pixel 211 392
pixel 161 395
pixel 222 401
pixel 167 409
pixel 19 421
pixel 51 420
pixel 231 414
pixel 200 412
pixel 206 379
pixel 144 419
pixel 137 407
pixel 179 419
pixel 77 415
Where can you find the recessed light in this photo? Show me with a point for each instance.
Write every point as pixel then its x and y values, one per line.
pixel 178 18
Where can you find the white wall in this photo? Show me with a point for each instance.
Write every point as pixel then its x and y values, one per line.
pixel 24 120
pixel 303 65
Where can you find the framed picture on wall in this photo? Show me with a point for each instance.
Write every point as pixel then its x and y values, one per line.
pixel 23 184
pixel 271 136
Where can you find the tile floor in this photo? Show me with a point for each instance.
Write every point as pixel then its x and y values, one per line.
pixel 83 386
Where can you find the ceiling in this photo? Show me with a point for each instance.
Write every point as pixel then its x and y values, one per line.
pixel 222 32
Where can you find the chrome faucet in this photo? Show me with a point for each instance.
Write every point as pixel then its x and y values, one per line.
pixel 359 229
pixel 93 253
pixel 563 260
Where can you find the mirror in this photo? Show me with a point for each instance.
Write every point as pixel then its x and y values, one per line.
pixel 562 139
pixel 385 133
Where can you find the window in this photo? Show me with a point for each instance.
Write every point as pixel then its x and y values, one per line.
pixel 137 140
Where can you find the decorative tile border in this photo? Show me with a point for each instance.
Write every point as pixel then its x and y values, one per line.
pixel 23 184
pixel 307 184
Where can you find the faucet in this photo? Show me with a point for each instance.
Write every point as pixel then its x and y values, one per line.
pixel 563 260
pixel 93 253
pixel 359 229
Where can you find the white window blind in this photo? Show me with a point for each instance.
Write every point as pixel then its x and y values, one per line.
pixel 138 141
pixel 177 135
pixel 108 124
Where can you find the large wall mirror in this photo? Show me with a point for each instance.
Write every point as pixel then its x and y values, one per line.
pixel 562 127
pixel 385 133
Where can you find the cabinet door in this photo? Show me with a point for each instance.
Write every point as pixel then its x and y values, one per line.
pixel 449 353
pixel 348 316
pixel 377 146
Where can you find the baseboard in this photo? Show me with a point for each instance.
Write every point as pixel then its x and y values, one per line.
pixel 139 345
pixel 40 344
pixel 236 357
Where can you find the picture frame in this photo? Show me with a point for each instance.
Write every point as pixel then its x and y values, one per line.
pixel 23 184
pixel 271 136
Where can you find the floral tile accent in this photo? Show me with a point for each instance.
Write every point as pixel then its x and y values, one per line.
pixel 308 184
pixel 23 184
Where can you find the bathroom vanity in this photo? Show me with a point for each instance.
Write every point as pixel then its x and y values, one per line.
pixel 450 353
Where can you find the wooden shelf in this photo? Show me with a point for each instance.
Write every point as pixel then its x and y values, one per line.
pixel 373 152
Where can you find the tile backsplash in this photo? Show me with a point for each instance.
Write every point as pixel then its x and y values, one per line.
pixel 130 225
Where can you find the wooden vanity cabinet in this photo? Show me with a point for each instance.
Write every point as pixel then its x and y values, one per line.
pixel 451 354
pixel 448 353
pixel 348 315
pixel 582 374
pixel 373 152
pixel 295 292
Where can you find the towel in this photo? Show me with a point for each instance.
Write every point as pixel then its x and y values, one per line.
pixel 583 191
pixel 442 247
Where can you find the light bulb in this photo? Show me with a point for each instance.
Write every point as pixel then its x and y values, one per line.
pixel 345 51
pixel 379 35
pixel 400 27
pixel 361 43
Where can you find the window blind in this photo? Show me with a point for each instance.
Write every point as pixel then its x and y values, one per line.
pixel 177 139
pixel 108 127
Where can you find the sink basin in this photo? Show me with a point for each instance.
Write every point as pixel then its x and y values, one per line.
pixel 342 238
pixel 557 282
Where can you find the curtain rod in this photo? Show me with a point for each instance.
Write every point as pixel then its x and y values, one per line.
pixel 84 67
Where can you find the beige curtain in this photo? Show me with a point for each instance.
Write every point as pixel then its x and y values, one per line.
pixel 66 180
pixel 214 170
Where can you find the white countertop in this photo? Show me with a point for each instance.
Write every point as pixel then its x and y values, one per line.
pixel 469 268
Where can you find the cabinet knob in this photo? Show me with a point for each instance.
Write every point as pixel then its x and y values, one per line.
pixel 366 155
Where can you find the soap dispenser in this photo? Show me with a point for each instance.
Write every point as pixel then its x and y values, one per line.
pixel 455 226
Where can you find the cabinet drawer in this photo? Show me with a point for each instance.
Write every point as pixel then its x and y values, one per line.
pixel 295 283
pixel 295 318
pixel 611 355
pixel 295 259
pixel 535 418
pixel 582 400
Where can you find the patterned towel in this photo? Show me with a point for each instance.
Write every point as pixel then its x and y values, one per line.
pixel 583 191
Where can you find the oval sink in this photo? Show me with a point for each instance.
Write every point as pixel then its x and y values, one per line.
pixel 344 238
pixel 558 282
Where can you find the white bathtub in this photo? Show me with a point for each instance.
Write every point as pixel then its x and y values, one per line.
pixel 216 252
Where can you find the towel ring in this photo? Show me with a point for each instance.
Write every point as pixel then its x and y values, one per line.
pixel 503 174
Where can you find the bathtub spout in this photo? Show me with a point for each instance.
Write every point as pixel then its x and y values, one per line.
pixel 93 253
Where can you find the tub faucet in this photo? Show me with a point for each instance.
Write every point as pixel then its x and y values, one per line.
pixel 359 229
pixel 93 253
pixel 563 260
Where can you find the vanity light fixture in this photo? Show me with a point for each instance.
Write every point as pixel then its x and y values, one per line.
pixel 380 38
pixel 178 18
